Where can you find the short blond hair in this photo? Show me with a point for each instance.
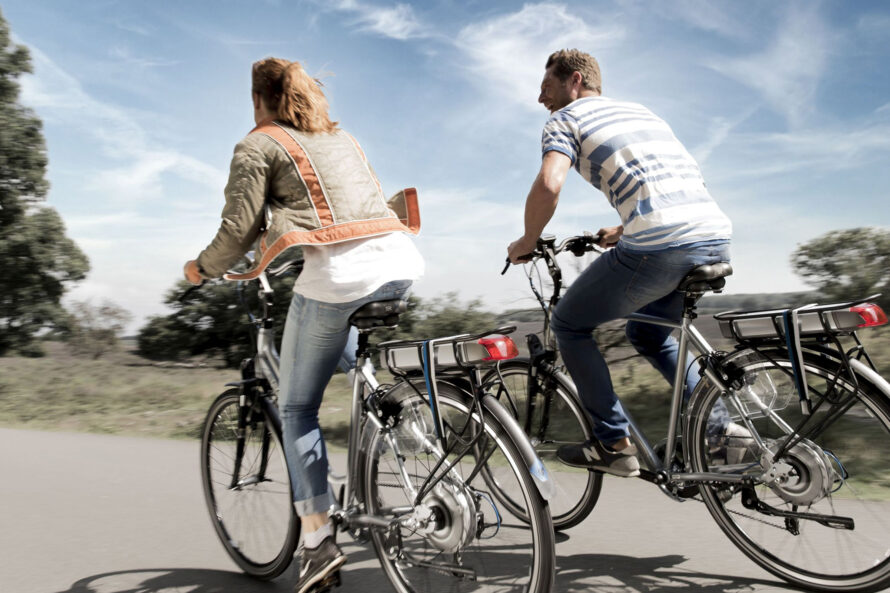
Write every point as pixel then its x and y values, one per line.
pixel 568 61
pixel 292 94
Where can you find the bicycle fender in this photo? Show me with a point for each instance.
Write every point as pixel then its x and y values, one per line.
pixel 866 371
pixel 533 463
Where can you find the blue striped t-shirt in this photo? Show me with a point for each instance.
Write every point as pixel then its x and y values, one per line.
pixel 633 157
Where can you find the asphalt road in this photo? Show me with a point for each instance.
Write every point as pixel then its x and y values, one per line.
pixel 82 513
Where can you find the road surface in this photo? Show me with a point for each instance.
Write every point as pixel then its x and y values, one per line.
pixel 84 513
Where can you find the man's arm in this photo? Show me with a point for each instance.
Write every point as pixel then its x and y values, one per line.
pixel 541 203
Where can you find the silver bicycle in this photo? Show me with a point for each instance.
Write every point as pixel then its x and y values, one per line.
pixel 801 484
pixel 423 455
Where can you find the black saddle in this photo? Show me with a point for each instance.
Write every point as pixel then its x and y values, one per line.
pixel 706 277
pixel 378 314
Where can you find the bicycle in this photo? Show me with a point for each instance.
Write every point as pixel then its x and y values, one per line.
pixel 805 491
pixel 413 485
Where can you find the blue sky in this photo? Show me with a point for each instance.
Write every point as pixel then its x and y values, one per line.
pixel 786 106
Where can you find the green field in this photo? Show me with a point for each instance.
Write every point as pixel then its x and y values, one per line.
pixel 125 394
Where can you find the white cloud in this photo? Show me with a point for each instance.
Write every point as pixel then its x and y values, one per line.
pixel 720 18
pixel 828 149
pixel 507 53
pixel 123 54
pixel 788 72
pixel 397 21
pixel 58 96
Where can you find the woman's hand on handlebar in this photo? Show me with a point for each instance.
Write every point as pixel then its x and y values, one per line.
pixel 190 269
pixel 608 237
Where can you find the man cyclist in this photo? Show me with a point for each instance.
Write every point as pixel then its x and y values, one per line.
pixel 669 225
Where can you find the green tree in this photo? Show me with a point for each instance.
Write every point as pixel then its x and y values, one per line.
pixel 94 329
pixel 448 316
pixel 38 260
pixel 211 321
pixel 848 264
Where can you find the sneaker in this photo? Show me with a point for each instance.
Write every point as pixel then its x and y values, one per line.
pixel 317 564
pixel 594 455
pixel 735 444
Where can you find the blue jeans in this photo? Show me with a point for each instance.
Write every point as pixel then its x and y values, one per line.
pixel 618 283
pixel 315 341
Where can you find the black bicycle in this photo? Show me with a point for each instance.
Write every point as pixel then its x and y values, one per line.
pixel 801 481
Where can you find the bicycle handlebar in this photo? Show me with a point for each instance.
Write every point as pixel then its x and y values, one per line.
pixel 578 245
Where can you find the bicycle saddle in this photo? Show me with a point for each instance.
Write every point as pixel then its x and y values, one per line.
pixel 378 314
pixel 706 277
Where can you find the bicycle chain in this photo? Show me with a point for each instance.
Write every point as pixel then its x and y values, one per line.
pixel 740 514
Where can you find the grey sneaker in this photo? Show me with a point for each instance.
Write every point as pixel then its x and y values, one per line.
pixel 594 455
pixel 318 565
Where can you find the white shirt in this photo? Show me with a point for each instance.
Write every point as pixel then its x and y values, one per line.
pixel 344 272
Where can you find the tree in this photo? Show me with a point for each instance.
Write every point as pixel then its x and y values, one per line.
pixel 447 316
pixel 94 329
pixel 848 264
pixel 211 321
pixel 38 260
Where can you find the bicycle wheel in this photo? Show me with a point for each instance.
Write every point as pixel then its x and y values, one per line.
pixel 840 471
pixel 247 489
pixel 457 537
pixel 557 420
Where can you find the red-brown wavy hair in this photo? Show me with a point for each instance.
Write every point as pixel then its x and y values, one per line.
pixel 292 94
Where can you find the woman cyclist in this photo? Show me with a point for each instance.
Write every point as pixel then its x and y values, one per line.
pixel 298 179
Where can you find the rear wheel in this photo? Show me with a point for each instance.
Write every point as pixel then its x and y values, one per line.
pixel 457 537
pixel 246 487
pixel 841 472
pixel 557 420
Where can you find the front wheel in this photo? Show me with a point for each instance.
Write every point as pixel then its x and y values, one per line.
pixel 558 419
pixel 457 536
pixel 841 471
pixel 247 488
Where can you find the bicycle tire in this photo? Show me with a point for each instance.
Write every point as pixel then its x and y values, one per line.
pixel 799 550
pixel 520 555
pixel 255 519
pixel 577 491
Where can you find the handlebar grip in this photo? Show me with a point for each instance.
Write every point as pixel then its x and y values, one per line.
pixel 190 290
pixel 526 257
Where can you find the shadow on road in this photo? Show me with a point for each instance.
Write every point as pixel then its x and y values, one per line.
pixel 367 577
pixel 584 572
pixel 580 572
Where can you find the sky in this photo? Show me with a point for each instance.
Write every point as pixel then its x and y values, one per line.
pixel 785 106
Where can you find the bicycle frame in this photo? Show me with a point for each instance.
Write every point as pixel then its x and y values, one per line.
pixel 689 336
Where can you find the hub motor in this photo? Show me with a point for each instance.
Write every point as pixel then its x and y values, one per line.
pixel 447 517
pixel 803 476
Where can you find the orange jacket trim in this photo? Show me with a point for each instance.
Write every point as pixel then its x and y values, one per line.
pixel 305 168
pixel 332 234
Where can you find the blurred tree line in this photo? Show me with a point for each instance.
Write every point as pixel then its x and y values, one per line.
pixel 212 321
pixel 841 265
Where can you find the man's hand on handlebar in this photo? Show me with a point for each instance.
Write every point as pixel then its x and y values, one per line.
pixel 608 237
pixel 520 250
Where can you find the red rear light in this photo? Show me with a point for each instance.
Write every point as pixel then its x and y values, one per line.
pixel 872 315
pixel 499 348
